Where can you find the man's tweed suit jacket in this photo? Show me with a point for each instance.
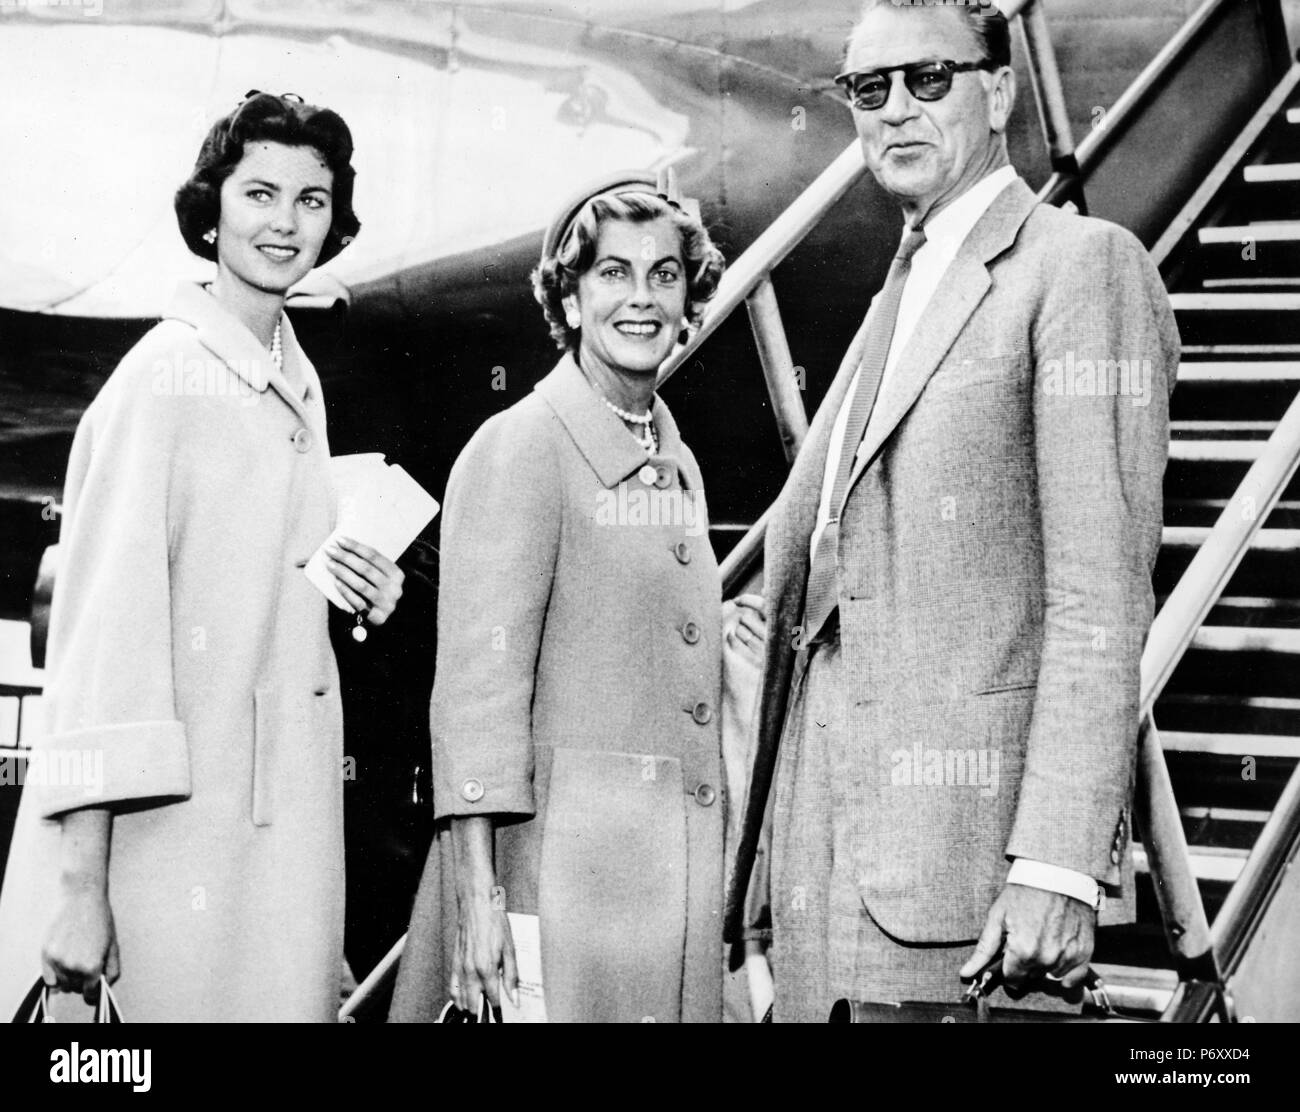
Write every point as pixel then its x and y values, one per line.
pixel 995 557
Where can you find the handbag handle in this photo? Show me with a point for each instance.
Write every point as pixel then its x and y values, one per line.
pixel 35 1007
pixel 486 1013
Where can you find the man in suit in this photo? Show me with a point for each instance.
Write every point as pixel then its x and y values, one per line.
pixel 958 571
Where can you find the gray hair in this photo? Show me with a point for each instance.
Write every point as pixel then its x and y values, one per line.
pixel 989 26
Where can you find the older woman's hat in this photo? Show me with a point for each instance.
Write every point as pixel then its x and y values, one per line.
pixel 662 184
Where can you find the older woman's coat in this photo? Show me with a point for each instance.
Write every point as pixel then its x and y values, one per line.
pixel 576 700
pixel 190 662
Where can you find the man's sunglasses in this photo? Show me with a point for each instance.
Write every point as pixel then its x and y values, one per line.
pixel 868 90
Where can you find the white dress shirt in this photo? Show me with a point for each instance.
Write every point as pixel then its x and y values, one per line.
pixel 944 235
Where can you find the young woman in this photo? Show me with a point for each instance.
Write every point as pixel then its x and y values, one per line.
pixel 190 664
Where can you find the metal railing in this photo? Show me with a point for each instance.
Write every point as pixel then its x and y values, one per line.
pixel 1209 952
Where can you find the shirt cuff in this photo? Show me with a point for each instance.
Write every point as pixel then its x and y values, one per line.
pixel 1054 878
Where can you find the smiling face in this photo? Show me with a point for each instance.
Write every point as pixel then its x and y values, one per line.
pixel 927 153
pixel 632 299
pixel 275 214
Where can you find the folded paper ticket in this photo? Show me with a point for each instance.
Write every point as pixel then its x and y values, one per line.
pixel 379 504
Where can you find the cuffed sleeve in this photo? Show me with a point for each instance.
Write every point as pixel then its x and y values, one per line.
pixel 1106 353
pixel 111 702
pixel 500 539
pixel 149 761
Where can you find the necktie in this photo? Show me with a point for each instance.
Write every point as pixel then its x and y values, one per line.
pixel 822 594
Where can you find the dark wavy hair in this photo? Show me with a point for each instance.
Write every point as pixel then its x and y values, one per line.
pixel 989 26
pixel 262 117
pixel 556 277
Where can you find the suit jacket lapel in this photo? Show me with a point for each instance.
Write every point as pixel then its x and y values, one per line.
pixel 960 291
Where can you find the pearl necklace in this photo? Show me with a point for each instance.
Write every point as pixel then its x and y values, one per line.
pixel 646 438
pixel 277 351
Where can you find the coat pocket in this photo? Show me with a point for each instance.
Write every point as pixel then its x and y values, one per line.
pixel 278 715
pixel 612 887
pixel 963 374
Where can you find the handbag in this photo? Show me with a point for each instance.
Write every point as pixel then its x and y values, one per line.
pixel 35 1007
pixel 486 1013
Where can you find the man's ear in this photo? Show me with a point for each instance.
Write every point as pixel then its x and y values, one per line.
pixel 1002 98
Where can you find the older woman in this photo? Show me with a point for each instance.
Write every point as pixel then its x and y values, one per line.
pixel 189 655
pixel 575 711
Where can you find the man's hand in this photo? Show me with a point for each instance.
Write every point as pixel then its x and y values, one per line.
pixel 1045 933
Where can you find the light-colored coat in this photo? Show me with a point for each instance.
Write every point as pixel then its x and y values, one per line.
pixel 576 699
pixel 995 574
pixel 189 653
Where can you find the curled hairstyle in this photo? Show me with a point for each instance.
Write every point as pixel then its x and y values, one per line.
pixel 263 117
pixel 556 277
pixel 989 26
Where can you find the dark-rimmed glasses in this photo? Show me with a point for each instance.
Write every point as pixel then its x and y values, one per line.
pixel 282 96
pixel 868 90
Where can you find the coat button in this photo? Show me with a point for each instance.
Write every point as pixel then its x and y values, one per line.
pixel 682 551
pixel 472 790
pixel 302 440
pixel 646 475
pixel 663 477
pixel 690 633
pixel 702 713
pixel 705 795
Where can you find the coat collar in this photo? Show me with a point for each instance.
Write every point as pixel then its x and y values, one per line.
pixel 230 340
pixel 604 441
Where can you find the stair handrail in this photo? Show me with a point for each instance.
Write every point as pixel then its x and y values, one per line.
pixel 1202 584
pixel 1197 592
pixel 1094 146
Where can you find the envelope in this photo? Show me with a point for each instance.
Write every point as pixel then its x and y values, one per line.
pixel 378 504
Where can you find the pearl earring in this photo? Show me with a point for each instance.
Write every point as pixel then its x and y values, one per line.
pixel 573 318
pixel 210 236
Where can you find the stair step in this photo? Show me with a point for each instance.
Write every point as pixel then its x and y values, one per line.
pixel 1205 430
pixel 1247 639
pixel 1261 282
pixel 1241 349
pixel 1204 512
pixel 1213 863
pixel 1225 814
pixel 1264 370
pixel 1265 540
pixel 1237 610
pixel 1272 171
pixel 1216 451
pixel 1248 715
pixel 1231 745
pixel 1278 231
pixel 1235 302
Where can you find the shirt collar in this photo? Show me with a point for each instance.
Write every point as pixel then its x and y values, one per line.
pixel 604 441
pixel 951 226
